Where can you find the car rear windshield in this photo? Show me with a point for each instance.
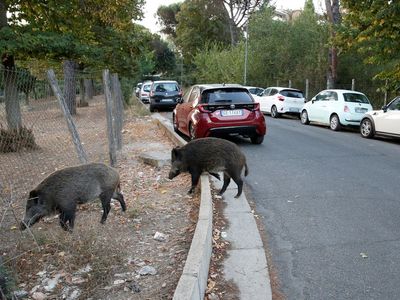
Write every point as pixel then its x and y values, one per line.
pixel 292 93
pixel 166 87
pixel 354 97
pixel 147 87
pixel 226 95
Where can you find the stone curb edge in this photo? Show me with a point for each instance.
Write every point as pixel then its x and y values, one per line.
pixel 193 281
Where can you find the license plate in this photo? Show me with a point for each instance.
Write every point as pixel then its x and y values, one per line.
pixel 167 100
pixel 293 109
pixel 361 110
pixel 233 112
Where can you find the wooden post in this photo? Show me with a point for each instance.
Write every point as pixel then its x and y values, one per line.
pixel 307 89
pixel 70 122
pixel 118 109
pixel 109 107
pixel 353 84
pixel 290 83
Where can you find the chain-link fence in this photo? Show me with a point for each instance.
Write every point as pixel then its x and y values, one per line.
pixel 36 137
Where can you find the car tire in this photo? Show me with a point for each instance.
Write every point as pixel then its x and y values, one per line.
pixel 367 128
pixel 304 118
pixel 151 107
pixel 257 139
pixel 192 131
pixel 174 123
pixel 274 112
pixel 334 123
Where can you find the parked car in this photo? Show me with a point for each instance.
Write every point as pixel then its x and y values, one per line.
pixel 281 100
pixel 336 108
pixel 254 90
pixel 144 94
pixel 137 89
pixel 218 110
pixel 164 94
pixel 382 122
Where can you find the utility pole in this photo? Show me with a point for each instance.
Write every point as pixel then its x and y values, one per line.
pixel 245 54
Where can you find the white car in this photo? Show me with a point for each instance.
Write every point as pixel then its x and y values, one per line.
pixel 280 100
pixel 336 108
pixel 144 94
pixel 382 122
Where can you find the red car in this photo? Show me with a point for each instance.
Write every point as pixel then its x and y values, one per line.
pixel 217 110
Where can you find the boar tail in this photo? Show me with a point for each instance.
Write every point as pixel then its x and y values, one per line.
pixel 246 169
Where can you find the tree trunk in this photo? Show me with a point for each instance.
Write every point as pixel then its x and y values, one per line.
pixel 13 109
pixel 333 13
pixel 70 85
pixel 89 88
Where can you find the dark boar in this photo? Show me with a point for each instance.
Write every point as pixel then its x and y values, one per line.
pixel 63 190
pixel 209 155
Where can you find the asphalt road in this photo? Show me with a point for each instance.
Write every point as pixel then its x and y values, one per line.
pixel 330 203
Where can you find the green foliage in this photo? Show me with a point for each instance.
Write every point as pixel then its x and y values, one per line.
pixel 372 27
pixel 217 64
pixel 167 17
pixel 200 22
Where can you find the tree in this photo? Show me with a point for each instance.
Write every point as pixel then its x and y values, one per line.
pixel 167 18
pixel 200 22
pixel 239 12
pixel 334 18
pixel 371 27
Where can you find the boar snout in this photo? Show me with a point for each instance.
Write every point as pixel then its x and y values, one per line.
pixel 173 173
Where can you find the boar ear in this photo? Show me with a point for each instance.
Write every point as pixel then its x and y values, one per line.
pixel 175 153
pixel 33 196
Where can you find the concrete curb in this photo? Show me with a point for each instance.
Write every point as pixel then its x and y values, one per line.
pixel 193 282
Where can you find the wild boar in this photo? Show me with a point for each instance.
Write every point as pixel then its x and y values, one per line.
pixel 210 155
pixel 64 189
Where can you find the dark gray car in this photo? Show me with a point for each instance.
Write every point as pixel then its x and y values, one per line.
pixel 164 94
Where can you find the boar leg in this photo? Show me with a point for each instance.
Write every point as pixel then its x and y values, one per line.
pixel 216 175
pixel 195 180
pixel 238 180
pixel 105 198
pixel 120 198
pixel 67 220
pixel 227 180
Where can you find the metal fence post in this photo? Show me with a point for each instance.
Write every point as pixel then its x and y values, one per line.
pixel 118 109
pixel 353 84
pixel 307 88
pixel 109 108
pixel 70 122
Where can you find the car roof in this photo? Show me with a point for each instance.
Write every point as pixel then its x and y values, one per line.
pixel 165 81
pixel 252 87
pixel 209 86
pixel 280 88
pixel 341 91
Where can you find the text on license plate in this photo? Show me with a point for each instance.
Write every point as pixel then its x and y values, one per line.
pixel 166 100
pixel 233 112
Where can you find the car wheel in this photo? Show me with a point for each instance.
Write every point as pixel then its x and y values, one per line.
pixel 274 112
pixel 192 131
pixel 151 107
pixel 334 124
pixel 366 128
pixel 257 139
pixel 304 118
pixel 175 123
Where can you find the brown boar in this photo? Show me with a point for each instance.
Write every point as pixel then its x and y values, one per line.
pixel 210 155
pixel 64 189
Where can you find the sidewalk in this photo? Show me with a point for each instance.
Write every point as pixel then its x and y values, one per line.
pixel 246 264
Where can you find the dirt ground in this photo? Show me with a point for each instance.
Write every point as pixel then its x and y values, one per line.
pixel 138 254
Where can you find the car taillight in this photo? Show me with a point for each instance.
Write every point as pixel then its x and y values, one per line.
pixel 203 108
pixel 281 98
pixel 346 108
pixel 256 106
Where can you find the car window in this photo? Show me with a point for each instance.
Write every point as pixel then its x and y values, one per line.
pixel 146 87
pixel 395 105
pixel 226 95
pixel 273 92
pixel 291 93
pixel 331 96
pixel 355 97
pixel 266 92
pixel 166 87
pixel 194 95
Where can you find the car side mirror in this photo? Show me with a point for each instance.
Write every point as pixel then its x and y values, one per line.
pixel 384 108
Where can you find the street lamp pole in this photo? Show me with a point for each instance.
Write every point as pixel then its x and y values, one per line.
pixel 245 54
